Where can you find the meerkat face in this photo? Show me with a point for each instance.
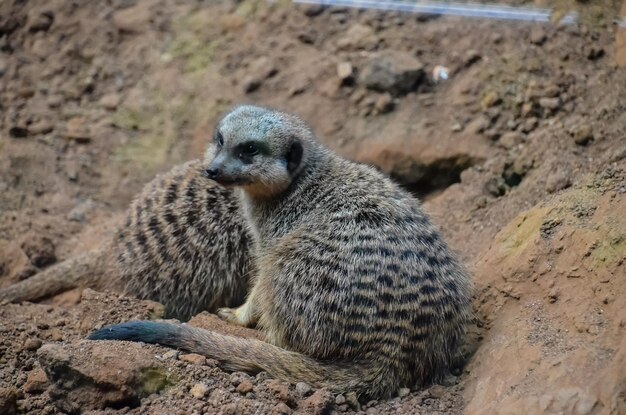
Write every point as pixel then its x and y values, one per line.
pixel 258 150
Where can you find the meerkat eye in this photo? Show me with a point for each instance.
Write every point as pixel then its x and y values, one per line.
pixel 248 150
pixel 219 139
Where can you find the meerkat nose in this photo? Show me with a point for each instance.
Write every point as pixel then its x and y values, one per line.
pixel 212 173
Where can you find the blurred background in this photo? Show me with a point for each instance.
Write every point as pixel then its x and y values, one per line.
pixel 512 133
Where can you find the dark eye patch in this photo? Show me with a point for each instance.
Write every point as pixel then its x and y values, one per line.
pixel 246 151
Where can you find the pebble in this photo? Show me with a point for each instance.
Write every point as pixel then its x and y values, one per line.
pixel 478 125
pixel 340 399
pixel 199 390
pixel 245 387
pixel 353 401
pixel 36 382
pixel 402 392
pixel 384 103
pixel 110 101
pixel 511 139
pixel 281 409
pixel 537 35
pixel 32 344
pixel 550 103
pixel 193 358
pixel 78 129
pixel 303 389
pixel 345 72
pixel 171 354
pixel 583 134
pixel 557 181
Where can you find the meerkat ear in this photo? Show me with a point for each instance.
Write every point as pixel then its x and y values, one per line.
pixel 294 156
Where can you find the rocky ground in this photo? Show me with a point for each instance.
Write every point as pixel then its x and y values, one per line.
pixel 519 157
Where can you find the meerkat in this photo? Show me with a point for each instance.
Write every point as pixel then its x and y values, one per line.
pixel 354 287
pixel 184 244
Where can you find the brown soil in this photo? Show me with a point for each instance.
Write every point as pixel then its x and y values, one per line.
pixel 520 158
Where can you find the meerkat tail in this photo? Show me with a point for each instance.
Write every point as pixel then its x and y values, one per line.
pixel 247 355
pixel 85 269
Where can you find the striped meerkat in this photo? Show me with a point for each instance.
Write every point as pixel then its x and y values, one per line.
pixel 355 288
pixel 184 244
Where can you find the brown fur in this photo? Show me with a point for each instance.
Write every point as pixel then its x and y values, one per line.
pixel 183 244
pixel 355 289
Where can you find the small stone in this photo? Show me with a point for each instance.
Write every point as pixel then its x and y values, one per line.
pixel 32 344
pixel 171 354
pixel 193 358
pixel 583 134
pixel 353 401
pixel 537 35
pixel 319 403
pixel 478 125
pixel 132 19
pixel 371 411
pixel 496 186
pixel 281 409
pixel 36 382
pixel 110 101
pixel 392 71
pixel 358 36
pixel 281 391
pixel 557 181
pixel 553 295
pixel 245 387
pixel 54 101
pixel 41 127
pixel 529 124
pixel 199 390
pixel 402 392
pixel 78 129
pixel 550 103
pixel 56 335
pixel 511 139
pixel 437 391
pixel 490 99
pixel 345 72
pixel 303 389
pixel 340 399
pixel 384 103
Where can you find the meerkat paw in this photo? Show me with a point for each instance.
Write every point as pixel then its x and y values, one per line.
pixel 240 316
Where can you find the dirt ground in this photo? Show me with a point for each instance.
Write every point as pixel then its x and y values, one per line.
pixel 519 156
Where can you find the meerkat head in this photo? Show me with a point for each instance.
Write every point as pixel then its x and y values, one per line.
pixel 259 150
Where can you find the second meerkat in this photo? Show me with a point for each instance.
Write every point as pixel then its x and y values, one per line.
pixel 354 290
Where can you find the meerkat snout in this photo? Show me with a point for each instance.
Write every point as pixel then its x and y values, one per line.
pixel 257 150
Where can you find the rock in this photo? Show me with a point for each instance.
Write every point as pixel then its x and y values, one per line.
pixel 77 129
pixel 303 389
pixel 55 101
pixel 340 399
pixel 41 127
pixel 281 409
pixel 134 19
pixel 80 211
pixel 490 99
pixel 98 375
pixel 199 390
pixel 358 36
pixel 36 382
pixel 110 101
pixel 371 411
pixel 32 344
pixel 8 400
pixel 478 125
pixel 281 391
pixel 402 392
pixel 557 181
pixel 319 403
pixel 392 71
pixel 537 35
pixel 550 103
pixel 345 72
pixel 384 104
pixel 245 387
pixel 193 358
pixel 38 21
pixel 437 391
pixel 511 139
pixel 529 124
pixel 583 134
pixel 353 401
